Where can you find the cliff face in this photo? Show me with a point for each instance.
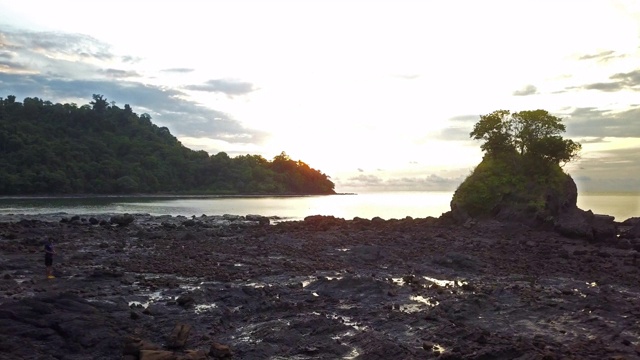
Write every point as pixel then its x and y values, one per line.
pixel 537 194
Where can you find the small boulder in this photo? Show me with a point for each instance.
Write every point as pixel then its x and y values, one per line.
pixel 122 220
pixel 220 351
pixel 178 337
pixel 633 232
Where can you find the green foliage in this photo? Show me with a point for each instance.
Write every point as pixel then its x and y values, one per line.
pixel 514 182
pixel 533 133
pixel 50 148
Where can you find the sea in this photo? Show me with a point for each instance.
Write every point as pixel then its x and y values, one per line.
pixel 386 205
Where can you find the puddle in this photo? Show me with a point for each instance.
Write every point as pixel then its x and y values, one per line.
pixel 443 283
pixel 424 300
pixel 200 308
pixel 345 320
pixel 190 287
pixel 353 354
pixel 151 298
pixel 437 348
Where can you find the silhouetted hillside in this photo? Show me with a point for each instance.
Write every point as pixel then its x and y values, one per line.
pixel 48 148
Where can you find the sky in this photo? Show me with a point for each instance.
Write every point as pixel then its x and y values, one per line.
pixel 378 95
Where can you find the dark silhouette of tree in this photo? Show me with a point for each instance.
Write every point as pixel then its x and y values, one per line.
pixel 533 134
pixel 48 148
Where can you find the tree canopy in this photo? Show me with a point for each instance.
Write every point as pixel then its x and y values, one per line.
pixel 99 148
pixel 531 133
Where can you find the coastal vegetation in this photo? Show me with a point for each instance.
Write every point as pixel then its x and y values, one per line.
pixel 100 148
pixel 521 171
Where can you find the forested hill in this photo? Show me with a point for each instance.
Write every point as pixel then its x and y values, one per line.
pixel 99 148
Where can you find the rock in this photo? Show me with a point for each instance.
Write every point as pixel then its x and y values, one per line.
pixel 134 346
pixel 185 300
pixel 195 355
pixel 604 228
pixel 122 220
pixel 575 223
pixel 220 351
pixel 262 220
pixel 189 223
pixel 157 355
pixel 178 337
pixel 633 232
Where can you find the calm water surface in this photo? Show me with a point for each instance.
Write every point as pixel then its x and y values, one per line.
pixel 386 205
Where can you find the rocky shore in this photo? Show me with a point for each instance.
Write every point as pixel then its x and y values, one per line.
pixel 241 287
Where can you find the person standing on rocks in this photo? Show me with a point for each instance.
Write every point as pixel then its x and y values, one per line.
pixel 49 251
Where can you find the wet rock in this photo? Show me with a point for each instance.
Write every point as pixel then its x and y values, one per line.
pixel 178 337
pixel 633 232
pixel 185 300
pixel 121 220
pixel 220 351
pixel 575 223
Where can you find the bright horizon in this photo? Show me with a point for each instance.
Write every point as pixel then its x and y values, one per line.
pixel 379 95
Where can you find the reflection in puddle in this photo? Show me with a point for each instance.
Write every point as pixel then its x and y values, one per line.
pixel 424 300
pixel 438 348
pixel 443 283
pixel 151 298
pixel 200 308
pixel 139 304
pixel 343 319
pixel 352 355
pixel 191 287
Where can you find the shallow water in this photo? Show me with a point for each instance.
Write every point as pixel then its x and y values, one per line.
pixel 387 205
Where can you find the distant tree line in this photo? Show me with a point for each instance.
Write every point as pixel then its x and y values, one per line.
pixel 100 148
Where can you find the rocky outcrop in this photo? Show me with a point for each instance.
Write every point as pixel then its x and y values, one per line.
pixel 560 214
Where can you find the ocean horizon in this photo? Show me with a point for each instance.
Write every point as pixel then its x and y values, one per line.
pixel 386 205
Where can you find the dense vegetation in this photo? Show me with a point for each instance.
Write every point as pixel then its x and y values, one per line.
pixel 99 148
pixel 521 169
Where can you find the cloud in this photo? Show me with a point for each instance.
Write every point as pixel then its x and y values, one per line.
pixel 119 74
pixel 603 56
pixel 527 90
pixel 178 70
pixel 593 122
pixel 56 45
pixel 429 183
pixel 460 128
pixel 455 133
pixel 64 55
pixel 130 59
pixel 229 87
pixel 609 170
pixel 592 140
pixel 622 81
